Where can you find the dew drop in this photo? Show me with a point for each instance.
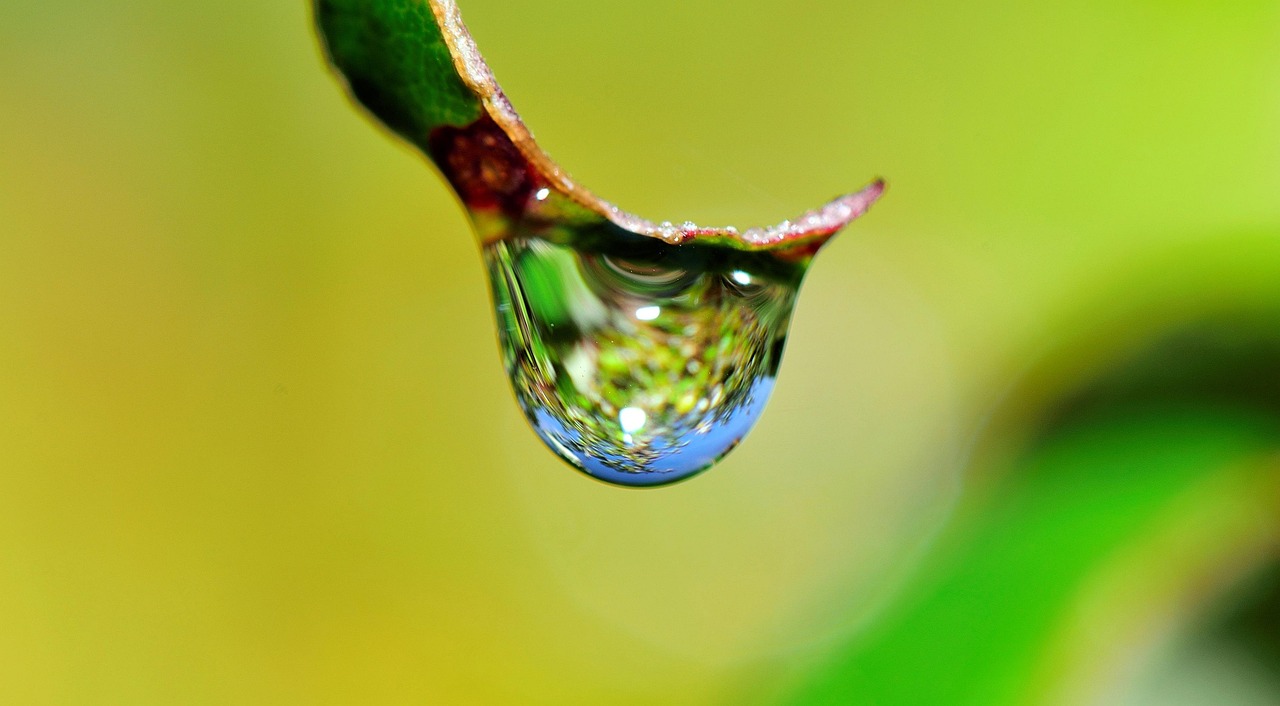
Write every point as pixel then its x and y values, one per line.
pixel 641 363
pixel 641 352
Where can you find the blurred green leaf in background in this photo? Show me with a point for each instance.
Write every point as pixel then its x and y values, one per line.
pixel 255 446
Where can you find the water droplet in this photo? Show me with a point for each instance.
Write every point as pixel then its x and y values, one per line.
pixel 641 352
pixel 640 362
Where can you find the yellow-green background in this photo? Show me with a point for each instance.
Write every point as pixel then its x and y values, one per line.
pixel 255 444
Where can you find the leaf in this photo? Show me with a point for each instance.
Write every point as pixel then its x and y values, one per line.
pixel 397 64
pixel 1146 494
pixel 415 67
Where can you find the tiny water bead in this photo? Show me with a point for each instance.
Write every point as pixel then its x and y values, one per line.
pixel 638 362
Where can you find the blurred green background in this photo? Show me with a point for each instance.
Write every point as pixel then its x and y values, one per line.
pixel 256 446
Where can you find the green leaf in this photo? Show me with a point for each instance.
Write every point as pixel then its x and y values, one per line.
pixel 1147 489
pixel 397 64
pixel 977 629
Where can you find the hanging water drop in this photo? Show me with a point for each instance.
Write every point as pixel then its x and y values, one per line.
pixel 639 362
pixel 640 352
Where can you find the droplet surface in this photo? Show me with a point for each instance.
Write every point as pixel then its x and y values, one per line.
pixel 640 363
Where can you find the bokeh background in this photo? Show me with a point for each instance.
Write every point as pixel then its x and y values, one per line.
pixel 256 445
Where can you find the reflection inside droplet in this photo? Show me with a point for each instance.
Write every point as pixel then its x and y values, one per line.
pixel 648 313
pixel 639 362
pixel 632 419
